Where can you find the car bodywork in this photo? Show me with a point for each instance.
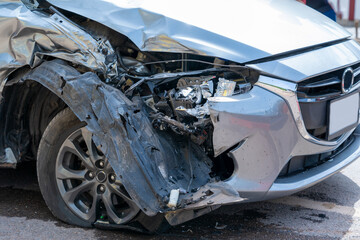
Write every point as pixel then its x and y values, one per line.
pixel 262 131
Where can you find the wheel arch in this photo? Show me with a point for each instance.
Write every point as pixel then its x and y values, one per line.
pixel 116 122
pixel 26 109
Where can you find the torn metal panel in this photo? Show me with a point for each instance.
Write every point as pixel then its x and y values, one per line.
pixel 32 35
pixel 222 29
pixel 151 163
pixel 162 122
pixel 206 199
pixel 181 216
pixel 212 193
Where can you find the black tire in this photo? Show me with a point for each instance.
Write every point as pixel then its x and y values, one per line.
pixel 63 124
pixel 58 131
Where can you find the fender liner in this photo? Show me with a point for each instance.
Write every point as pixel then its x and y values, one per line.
pixel 149 163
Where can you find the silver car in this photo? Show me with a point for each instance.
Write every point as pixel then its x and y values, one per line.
pixel 143 114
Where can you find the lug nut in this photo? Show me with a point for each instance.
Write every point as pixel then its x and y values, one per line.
pixel 91 175
pixel 112 177
pixel 101 164
pixel 102 188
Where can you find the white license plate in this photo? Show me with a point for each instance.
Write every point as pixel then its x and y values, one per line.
pixel 343 115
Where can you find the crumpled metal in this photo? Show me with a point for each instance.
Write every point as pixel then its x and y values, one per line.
pixel 199 111
pixel 237 30
pixel 30 36
pixel 151 163
pixel 197 94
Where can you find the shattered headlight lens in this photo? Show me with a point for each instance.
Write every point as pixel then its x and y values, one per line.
pixel 227 88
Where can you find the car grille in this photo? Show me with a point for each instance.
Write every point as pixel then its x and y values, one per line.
pixel 302 163
pixel 314 96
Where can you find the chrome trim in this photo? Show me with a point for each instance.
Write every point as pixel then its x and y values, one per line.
pixel 357 72
pixel 323 83
pixel 319 99
pixel 332 70
pixel 331 96
pixel 355 88
pixel 351 71
pixel 287 91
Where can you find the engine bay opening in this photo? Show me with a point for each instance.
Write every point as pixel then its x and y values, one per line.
pixel 176 89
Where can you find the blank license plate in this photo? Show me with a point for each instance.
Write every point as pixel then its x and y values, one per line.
pixel 343 115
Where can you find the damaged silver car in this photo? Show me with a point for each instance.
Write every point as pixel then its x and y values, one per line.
pixel 142 114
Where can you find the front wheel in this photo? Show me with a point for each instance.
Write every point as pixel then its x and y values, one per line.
pixel 76 180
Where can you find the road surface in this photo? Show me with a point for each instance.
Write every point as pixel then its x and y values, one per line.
pixel 328 210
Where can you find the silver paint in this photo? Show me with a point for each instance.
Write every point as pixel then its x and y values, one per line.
pixel 313 63
pixel 30 36
pixel 237 30
pixel 264 126
pixel 309 178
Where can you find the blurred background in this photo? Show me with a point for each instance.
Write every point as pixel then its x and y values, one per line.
pixel 345 12
pixel 348 15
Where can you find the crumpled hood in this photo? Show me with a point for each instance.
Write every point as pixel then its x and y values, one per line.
pixel 237 30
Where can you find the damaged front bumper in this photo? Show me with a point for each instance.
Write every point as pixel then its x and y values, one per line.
pixel 266 137
pixel 260 130
pixel 262 141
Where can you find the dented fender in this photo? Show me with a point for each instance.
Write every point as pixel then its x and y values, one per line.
pixel 33 36
pixel 148 163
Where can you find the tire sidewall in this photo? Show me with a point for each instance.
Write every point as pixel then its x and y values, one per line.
pixel 59 129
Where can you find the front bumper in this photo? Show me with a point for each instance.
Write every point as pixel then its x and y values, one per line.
pixel 264 129
pixel 298 182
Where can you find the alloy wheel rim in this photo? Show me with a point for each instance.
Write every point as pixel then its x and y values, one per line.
pixel 88 184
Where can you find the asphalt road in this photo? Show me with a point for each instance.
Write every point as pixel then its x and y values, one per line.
pixel 329 210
